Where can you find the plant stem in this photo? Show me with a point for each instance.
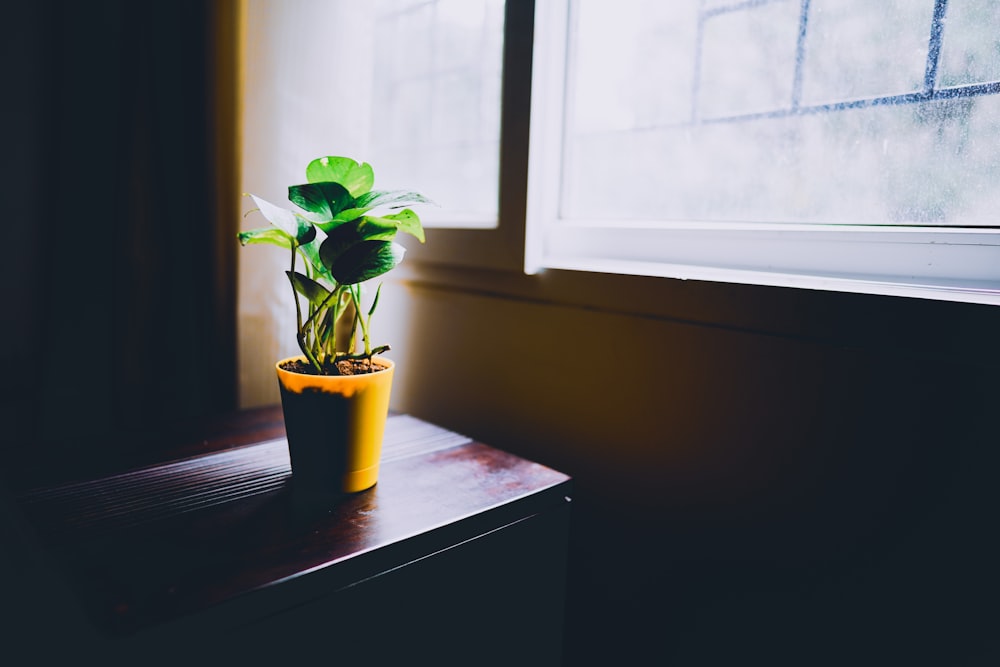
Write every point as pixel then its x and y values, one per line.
pixel 323 306
pixel 338 309
pixel 352 343
pixel 363 355
pixel 310 322
pixel 359 317
pixel 309 355
pixel 300 336
pixel 295 295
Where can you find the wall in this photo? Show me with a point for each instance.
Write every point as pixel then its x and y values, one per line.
pixel 791 476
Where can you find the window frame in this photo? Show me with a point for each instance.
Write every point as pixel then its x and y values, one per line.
pixel 952 263
pixel 776 254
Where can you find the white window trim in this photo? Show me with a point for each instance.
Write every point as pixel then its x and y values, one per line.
pixel 943 263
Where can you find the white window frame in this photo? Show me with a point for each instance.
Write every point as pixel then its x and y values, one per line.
pixel 944 263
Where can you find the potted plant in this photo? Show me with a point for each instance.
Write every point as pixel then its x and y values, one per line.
pixel 335 397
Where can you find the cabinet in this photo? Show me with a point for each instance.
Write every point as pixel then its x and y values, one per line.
pixel 456 557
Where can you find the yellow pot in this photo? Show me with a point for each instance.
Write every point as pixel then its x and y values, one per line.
pixel 334 425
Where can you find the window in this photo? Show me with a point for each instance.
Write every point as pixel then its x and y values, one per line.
pixel 435 104
pixel 410 86
pixel 836 144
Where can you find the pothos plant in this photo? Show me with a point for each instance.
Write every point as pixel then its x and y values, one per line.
pixel 343 233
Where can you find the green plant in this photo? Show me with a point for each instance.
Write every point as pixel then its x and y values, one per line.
pixel 343 242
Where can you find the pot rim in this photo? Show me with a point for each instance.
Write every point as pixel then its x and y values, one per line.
pixel 385 364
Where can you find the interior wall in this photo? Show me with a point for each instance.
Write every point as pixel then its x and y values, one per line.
pixel 738 492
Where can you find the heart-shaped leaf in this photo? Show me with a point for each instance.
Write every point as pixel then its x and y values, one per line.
pixel 366 260
pixel 380 198
pixel 404 221
pixel 270 235
pixel 329 225
pixel 338 241
pixel 390 198
pixel 324 199
pixel 309 288
pixel 311 253
pixel 356 178
pixel 287 221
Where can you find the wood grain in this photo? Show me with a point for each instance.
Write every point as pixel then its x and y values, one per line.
pixel 158 542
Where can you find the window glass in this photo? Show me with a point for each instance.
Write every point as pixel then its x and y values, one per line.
pixel 970 52
pixel 436 105
pixel 786 111
pixel 747 60
pixel 859 48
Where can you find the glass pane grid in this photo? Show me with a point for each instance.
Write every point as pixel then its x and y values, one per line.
pixel 928 92
pixel 722 133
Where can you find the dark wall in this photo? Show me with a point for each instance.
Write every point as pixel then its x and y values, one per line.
pixel 110 273
pixel 762 475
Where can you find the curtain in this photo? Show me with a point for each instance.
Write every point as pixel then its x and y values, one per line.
pixel 131 207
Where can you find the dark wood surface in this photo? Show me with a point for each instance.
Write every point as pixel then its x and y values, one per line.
pixel 218 520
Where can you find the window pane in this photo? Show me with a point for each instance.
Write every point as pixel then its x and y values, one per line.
pixel 436 105
pixel 647 79
pixel 971 49
pixel 859 48
pixel 747 60
pixel 752 111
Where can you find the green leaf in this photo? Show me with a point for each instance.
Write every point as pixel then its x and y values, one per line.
pixel 349 214
pixel 390 198
pixel 404 221
pixel 366 260
pixel 324 199
pixel 287 221
pixel 329 225
pixel 379 198
pixel 376 229
pixel 270 235
pixel 356 178
pixel 311 253
pixel 308 288
pixel 338 241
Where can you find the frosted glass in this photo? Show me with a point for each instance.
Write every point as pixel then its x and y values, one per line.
pixel 436 105
pixel 748 60
pixel 745 112
pixel 859 48
pixel 970 52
